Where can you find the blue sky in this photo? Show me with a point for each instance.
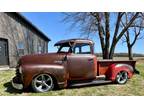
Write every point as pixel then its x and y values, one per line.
pixel 51 24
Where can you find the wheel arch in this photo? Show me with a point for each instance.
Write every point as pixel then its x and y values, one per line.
pixel 46 72
pixel 114 69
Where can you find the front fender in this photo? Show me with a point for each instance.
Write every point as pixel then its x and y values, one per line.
pixel 114 69
pixel 56 71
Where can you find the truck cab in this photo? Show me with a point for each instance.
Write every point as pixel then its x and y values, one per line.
pixel 81 61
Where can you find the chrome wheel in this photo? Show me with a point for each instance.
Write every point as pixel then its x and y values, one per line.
pixel 42 83
pixel 122 77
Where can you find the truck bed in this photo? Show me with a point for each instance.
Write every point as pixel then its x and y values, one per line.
pixel 102 65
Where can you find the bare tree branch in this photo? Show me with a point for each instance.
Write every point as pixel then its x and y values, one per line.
pixel 99 24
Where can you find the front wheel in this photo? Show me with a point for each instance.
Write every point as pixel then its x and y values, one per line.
pixel 122 77
pixel 42 83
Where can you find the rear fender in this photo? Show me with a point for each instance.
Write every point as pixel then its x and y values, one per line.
pixel 114 69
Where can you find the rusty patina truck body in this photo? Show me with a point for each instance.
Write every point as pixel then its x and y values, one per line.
pixel 73 64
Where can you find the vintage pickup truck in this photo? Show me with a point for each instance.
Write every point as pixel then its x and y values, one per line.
pixel 74 64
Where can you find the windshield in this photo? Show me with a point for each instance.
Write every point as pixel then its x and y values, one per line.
pixel 64 49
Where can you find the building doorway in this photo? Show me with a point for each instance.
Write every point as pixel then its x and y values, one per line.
pixel 3 52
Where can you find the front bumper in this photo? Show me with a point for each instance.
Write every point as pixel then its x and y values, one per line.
pixel 17 83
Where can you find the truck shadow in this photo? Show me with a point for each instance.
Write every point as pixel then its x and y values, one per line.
pixel 137 71
pixel 91 85
pixel 10 89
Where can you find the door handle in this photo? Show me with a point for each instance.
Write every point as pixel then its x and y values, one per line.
pixel 65 58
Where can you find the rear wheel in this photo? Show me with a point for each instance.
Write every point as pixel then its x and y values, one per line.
pixel 122 77
pixel 42 83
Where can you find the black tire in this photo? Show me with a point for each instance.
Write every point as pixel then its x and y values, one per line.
pixel 122 77
pixel 42 83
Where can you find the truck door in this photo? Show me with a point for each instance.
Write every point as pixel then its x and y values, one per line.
pixel 81 64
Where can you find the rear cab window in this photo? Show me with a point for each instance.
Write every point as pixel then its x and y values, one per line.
pixel 82 48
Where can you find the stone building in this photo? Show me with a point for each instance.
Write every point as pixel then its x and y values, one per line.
pixel 19 37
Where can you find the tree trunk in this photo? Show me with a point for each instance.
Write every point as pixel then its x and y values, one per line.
pixel 101 36
pixel 112 49
pixel 130 53
pixel 106 53
pixel 107 37
pixel 112 52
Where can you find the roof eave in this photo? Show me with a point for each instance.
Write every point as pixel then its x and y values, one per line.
pixel 32 25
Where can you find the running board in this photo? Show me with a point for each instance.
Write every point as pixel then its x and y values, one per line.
pixel 94 82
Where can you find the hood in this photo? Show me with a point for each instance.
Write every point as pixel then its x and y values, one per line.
pixel 48 58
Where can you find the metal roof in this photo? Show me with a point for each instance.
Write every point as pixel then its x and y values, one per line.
pixel 25 21
pixel 74 40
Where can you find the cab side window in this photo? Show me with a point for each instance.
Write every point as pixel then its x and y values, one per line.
pixel 77 50
pixel 82 49
pixel 86 49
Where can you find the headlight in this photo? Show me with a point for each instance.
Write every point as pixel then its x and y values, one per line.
pixel 20 70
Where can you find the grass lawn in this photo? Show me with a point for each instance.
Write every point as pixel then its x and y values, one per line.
pixel 134 86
